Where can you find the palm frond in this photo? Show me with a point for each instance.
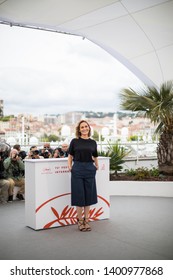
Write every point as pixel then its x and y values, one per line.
pixel 116 153
pixel 156 103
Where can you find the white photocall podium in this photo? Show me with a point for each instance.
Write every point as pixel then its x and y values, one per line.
pixel 48 193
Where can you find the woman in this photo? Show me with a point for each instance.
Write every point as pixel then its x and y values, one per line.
pixel 56 153
pixel 83 154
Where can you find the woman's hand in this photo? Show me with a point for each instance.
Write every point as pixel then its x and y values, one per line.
pixel 70 159
pixel 97 167
pixel 70 168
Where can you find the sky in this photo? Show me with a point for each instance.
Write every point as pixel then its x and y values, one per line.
pixel 49 73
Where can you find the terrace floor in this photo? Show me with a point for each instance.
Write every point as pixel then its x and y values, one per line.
pixel 139 228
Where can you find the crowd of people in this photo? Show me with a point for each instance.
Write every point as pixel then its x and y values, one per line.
pixel 12 167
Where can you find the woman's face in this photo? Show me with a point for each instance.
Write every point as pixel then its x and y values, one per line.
pixel 84 129
pixel 56 154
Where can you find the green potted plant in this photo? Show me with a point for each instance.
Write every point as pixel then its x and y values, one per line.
pixel 116 153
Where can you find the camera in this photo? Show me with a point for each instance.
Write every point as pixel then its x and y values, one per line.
pixel 16 173
pixel 46 154
pixel 61 153
pixel 15 156
pixel 36 152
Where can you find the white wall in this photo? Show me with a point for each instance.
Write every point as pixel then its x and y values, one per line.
pixel 141 188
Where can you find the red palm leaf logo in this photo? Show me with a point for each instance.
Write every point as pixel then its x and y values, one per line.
pixel 68 216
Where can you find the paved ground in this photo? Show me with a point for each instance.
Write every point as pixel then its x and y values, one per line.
pixel 138 228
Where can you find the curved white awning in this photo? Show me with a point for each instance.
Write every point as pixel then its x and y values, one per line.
pixel 137 33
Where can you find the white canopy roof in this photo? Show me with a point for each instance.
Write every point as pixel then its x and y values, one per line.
pixel 138 33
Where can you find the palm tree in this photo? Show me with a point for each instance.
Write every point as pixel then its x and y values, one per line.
pixel 157 105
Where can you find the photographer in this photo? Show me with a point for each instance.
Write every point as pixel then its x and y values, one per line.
pixel 56 153
pixel 14 168
pixel 46 151
pixel 61 152
pixel 33 153
pixel 22 153
pixel 4 184
pixel 64 150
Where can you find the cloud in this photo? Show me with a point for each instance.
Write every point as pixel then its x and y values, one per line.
pixel 45 73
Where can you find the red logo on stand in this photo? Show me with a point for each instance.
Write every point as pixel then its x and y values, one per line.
pixel 68 215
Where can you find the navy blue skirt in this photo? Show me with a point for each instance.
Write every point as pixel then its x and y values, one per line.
pixel 83 184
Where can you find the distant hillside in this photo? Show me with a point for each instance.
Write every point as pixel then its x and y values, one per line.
pixel 120 114
pixel 92 114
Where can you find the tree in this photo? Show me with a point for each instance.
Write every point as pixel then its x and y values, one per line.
pixel 53 138
pixel 95 135
pixel 157 105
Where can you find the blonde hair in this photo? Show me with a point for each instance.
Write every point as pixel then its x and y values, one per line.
pixel 78 133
